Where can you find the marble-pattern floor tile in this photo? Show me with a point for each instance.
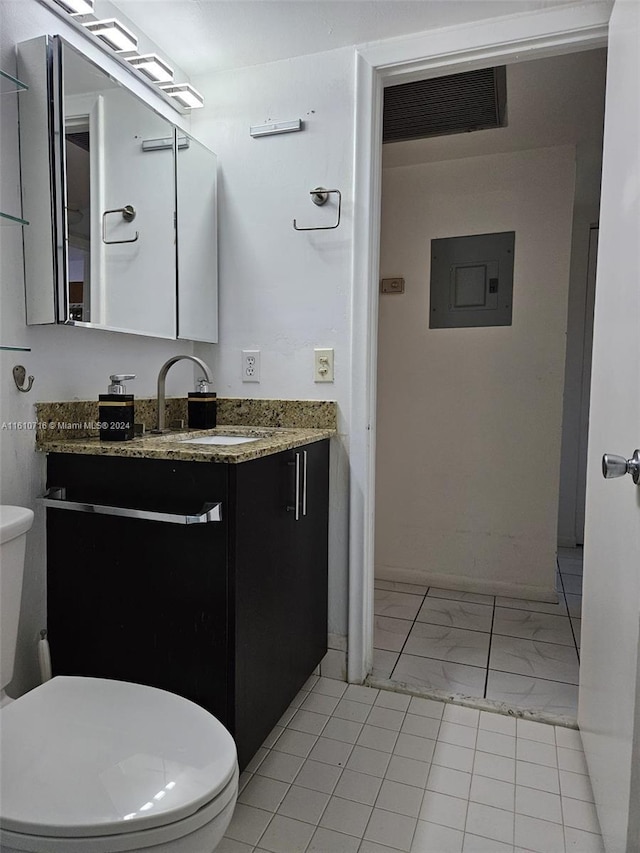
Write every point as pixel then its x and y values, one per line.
pixel 400 605
pixel 559 609
pixel 400 586
pixel 389 633
pixel 572 584
pixel 540 660
pixel 383 663
pixel 529 625
pixel 458 595
pixel 448 644
pixel 576 624
pixel 457 678
pixel 575 553
pixel 574 605
pixel 527 652
pixel 570 561
pixel 533 694
pixel 570 567
pixel 456 614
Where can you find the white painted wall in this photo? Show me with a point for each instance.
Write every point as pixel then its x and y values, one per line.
pixel 556 100
pixel 68 363
pixel 469 420
pixel 282 291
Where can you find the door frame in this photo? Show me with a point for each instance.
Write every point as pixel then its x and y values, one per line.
pixel 507 40
pixel 585 388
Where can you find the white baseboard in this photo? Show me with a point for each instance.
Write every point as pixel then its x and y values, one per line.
pixel 337 641
pixel 467 584
pixel 334 665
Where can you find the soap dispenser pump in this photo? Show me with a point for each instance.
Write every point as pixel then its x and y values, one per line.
pixel 202 407
pixel 116 410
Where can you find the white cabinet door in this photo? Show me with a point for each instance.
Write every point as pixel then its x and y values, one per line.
pixel 139 277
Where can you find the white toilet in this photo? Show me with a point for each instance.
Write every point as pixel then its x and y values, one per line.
pixel 91 765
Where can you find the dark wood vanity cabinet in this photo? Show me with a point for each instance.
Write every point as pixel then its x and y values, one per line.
pixel 231 614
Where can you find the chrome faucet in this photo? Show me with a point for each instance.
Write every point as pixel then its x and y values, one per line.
pixel 162 377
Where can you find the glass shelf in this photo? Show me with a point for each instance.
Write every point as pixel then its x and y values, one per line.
pixel 8 219
pixel 15 349
pixel 9 84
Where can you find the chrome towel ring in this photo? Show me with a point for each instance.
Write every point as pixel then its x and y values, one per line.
pixel 320 196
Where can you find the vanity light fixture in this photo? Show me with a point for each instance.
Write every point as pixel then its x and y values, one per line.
pixel 77 7
pixel 185 94
pixel 153 67
pixel 114 34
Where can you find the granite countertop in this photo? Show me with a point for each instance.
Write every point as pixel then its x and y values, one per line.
pixel 70 427
pixel 173 446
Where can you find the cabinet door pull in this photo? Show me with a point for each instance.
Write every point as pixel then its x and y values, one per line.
pixel 297 487
pixel 296 501
pixel 304 482
pixel 55 498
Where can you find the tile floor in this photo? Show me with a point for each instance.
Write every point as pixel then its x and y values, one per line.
pixel 353 769
pixel 522 654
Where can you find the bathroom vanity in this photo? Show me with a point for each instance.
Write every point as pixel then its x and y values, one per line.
pixel 230 612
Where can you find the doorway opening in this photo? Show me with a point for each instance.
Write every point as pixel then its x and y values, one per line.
pixel 469 601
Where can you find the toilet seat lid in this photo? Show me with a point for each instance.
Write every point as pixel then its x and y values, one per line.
pixel 91 756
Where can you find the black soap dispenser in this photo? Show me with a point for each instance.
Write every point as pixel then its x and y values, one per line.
pixel 202 407
pixel 116 410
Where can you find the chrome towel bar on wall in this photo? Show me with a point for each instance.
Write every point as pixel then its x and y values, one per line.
pixel 320 196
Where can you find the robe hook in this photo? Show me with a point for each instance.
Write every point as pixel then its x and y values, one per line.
pixel 19 376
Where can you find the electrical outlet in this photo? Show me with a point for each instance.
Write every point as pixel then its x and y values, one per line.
pixel 323 365
pixel 251 365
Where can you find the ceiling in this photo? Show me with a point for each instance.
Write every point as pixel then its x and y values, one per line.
pixel 205 36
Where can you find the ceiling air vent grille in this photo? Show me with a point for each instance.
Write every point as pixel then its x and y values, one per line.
pixel 459 103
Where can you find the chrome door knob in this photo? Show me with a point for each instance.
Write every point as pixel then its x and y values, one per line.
pixel 618 466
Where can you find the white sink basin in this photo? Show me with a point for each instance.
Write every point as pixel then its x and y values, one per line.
pixel 218 439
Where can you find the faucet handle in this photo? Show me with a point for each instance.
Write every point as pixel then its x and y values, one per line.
pixel 117 379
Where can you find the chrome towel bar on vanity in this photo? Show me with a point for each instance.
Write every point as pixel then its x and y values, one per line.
pixel 55 498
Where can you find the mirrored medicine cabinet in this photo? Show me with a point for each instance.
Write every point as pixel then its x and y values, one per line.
pixel 122 204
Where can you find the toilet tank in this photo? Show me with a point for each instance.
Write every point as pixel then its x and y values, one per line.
pixel 15 521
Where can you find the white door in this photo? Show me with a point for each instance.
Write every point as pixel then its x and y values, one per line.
pixel 609 705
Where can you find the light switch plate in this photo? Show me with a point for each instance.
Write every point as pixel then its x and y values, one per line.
pixel 323 365
pixel 392 285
